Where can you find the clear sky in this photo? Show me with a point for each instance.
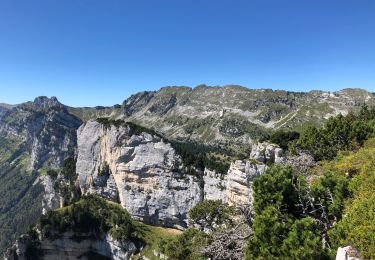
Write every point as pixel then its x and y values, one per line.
pixel 98 52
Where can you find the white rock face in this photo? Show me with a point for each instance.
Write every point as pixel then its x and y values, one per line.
pixel 235 188
pixel 214 186
pixel 239 182
pixel 347 253
pixel 266 152
pixel 51 200
pixel 65 247
pixel 145 174
pixel 145 170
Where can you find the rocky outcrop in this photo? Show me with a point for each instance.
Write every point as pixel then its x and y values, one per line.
pixel 44 102
pixel 214 186
pixel 51 200
pixel 347 253
pixel 146 170
pixel 66 246
pixel 144 173
pixel 239 182
pixel 267 153
pixel 235 188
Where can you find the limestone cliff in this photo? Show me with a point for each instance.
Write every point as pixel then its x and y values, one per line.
pixel 146 175
pixel 235 188
pixel 143 170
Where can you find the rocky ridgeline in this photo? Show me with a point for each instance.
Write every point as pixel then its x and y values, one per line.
pixel 218 114
pixel 46 129
pixel 146 175
pixel 49 137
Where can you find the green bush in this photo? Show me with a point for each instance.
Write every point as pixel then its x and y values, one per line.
pixel 283 227
pixel 186 246
pixel 68 170
pixel 91 214
pixel 52 173
pixel 331 190
pixel 275 187
pixel 357 226
pixel 209 212
pixel 303 240
pixel 283 138
pixel 197 155
pixel 339 133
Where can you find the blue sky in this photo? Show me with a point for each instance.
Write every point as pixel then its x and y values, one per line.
pixel 98 52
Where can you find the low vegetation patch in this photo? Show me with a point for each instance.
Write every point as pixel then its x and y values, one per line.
pixel 340 133
pixel 91 214
pixel 134 128
pixel 210 212
pixel 198 156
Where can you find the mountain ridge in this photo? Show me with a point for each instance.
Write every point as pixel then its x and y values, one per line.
pixel 230 113
pixel 233 86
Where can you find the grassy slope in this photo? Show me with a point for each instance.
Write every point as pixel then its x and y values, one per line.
pixel 357 228
pixel 153 237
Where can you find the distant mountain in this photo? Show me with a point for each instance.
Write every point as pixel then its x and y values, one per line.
pixel 34 136
pixel 4 108
pixel 230 113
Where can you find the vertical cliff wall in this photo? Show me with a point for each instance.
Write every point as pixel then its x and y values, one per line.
pixel 145 174
pixel 140 170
